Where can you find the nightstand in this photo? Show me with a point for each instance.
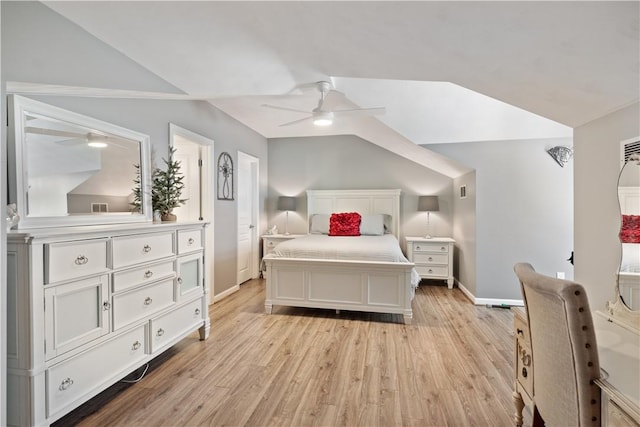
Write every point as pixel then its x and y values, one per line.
pixel 433 257
pixel 269 241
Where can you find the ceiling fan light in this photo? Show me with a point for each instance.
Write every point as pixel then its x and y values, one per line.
pixel 97 144
pixel 323 118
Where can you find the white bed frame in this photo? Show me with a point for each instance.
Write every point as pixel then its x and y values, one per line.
pixel 383 287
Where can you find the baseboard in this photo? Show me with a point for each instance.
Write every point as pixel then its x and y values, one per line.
pixel 489 301
pixel 226 293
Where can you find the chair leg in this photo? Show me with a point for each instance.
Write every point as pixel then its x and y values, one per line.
pixel 537 418
pixel 519 404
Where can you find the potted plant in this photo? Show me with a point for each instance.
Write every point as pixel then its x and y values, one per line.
pixel 167 187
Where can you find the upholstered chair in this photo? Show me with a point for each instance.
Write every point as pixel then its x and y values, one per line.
pixel 565 355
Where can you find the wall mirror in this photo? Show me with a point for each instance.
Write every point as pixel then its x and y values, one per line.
pixel 69 169
pixel 626 306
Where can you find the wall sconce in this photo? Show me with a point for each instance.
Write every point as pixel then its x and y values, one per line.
pixel 286 203
pixel 428 204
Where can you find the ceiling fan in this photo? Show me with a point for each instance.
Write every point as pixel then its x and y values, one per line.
pixel 91 139
pixel 325 112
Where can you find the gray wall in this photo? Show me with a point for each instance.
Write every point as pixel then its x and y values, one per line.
pixel 40 46
pixel 524 211
pixel 464 232
pixel 348 162
pixel 597 215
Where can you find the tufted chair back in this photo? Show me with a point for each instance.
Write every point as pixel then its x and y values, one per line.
pixel 563 343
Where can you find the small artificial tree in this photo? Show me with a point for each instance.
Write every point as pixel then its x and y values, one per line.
pixel 136 204
pixel 167 188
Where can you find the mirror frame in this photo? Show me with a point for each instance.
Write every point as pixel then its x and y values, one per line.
pixel 616 308
pixel 18 173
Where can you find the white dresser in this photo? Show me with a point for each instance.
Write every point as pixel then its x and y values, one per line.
pixel 89 305
pixel 433 257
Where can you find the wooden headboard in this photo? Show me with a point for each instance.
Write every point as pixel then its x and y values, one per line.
pixel 365 202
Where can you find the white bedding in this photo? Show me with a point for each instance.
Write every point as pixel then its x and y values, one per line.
pixel 383 248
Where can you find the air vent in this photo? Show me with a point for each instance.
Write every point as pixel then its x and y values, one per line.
pixel 629 147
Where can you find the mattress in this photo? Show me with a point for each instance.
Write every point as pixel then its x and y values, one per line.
pixel 383 248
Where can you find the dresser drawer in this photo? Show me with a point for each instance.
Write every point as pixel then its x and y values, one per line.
pixel 167 328
pixel 141 303
pixel 434 270
pixel 132 250
pixel 71 260
pixel 431 258
pixel 189 241
pixel 128 279
pixel 430 247
pixel 74 378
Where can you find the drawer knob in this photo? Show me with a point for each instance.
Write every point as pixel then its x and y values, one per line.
pixel 430 258
pixel 81 260
pixel 148 274
pixel 430 271
pixel 197 312
pixel 146 249
pixel 442 248
pixel 65 384
pixel 148 301
pixel 190 241
pixel 106 306
pixel 417 247
pixel 179 280
pixel 136 345
pixel 160 332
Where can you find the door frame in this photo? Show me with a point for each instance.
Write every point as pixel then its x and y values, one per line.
pixel 206 198
pixel 255 214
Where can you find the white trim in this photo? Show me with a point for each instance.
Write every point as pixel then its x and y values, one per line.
pixel 222 295
pixel 489 301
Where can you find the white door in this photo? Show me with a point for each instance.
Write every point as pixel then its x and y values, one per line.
pixel 247 197
pixel 189 154
pixel 195 153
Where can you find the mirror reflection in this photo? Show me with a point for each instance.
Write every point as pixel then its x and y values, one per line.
pixel 629 198
pixel 74 170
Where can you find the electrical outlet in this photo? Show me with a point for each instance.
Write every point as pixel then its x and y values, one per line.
pixel 560 274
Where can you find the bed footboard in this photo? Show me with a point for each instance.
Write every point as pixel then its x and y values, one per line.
pixel 383 287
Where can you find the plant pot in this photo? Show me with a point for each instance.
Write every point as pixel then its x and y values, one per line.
pixel 169 217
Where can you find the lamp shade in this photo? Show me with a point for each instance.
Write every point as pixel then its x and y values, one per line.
pixel 428 204
pixel 286 203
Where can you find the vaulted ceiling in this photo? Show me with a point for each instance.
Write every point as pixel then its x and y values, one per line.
pixel 445 71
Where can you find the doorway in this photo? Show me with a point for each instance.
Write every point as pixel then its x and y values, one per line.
pixel 195 152
pixel 248 217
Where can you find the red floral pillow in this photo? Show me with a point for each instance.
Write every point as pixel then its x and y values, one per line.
pixel 344 224
pixel 630 231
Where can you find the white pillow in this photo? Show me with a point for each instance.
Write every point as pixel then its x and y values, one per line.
pixel 319 224
pixel 372 225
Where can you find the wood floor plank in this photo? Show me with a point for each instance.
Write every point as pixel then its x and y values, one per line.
pixel 305 367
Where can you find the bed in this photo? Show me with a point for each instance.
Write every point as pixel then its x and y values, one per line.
pixel 334 278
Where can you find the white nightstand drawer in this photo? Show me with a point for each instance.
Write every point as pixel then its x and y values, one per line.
pixel 128 279
pixel 70 260
pixel 430 247
pixel 189 241
pixel 74 378
pixel 132 250
pixel 142 302
pixel 433 271
pixel 431 258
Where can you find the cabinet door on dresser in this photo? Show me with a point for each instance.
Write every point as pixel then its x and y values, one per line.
pixel 189 270
pixel 75 313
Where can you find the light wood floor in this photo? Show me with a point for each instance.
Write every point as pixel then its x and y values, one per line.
pixel 307 367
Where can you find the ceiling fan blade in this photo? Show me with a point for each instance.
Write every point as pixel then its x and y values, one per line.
pixel 297 121
pixel 276 107
pixel 53 132
pixel 332 99
pixel 71 142
pixel 361 111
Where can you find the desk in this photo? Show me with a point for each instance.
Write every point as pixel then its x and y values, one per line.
pixel 619 355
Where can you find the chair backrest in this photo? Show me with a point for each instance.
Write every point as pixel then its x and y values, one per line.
pixel 565 354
